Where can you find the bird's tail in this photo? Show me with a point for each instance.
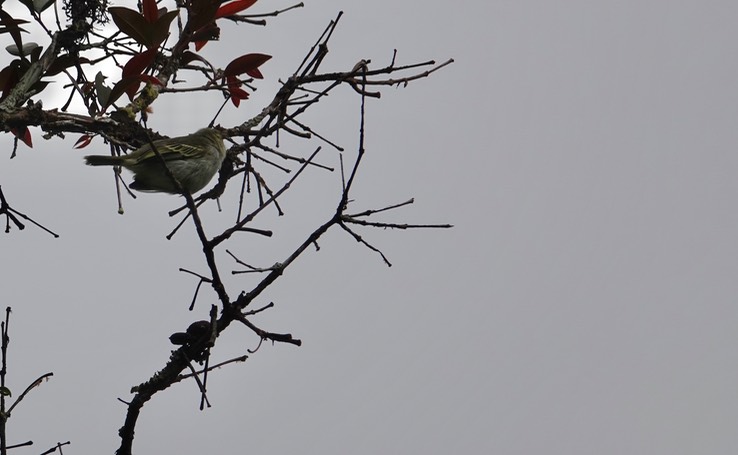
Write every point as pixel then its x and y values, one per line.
pixel 103 160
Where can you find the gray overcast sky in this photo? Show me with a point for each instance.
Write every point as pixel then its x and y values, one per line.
pixel 584 303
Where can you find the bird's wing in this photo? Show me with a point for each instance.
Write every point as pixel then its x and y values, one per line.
pixel 169 150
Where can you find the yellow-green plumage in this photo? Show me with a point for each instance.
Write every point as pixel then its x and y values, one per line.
pixel 193 160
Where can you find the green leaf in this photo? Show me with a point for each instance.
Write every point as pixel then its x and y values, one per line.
pixel 26 50
pixel 41 5
pixel 29 5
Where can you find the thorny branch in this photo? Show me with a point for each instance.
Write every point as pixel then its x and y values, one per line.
pixel 11 215
pixel 5 392
pixel 254 154
pixel 273 118
pixel 276 117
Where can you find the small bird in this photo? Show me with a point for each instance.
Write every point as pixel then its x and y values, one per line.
pixel 193 159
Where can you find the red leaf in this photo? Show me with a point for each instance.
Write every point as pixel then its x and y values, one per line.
pixel 23 134
pixel 8 79
pixel 138 27
pixel 232 81
pixel 160 29
pixel 83 141
pixel 201 13
pixel 246 64
pixel 237 94
pixel 234 7
pixel 255 73
pixel 200 44
pixel 63 62
pixel 150 11
pixel 132 23
pixel 189 57
pixel 121 87
pixel 139 63
pixel 206 33
pixel 132 87
pixel 129 86
pixel 150 79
